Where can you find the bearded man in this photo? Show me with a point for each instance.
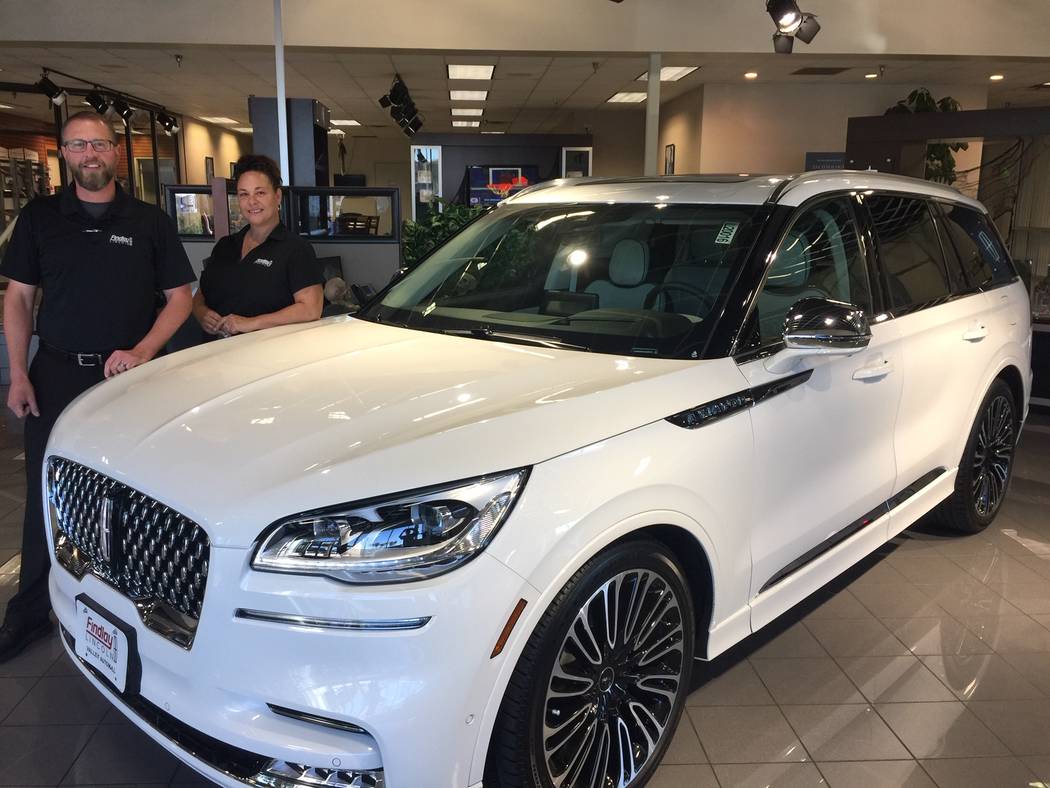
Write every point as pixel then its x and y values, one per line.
pixel 99 258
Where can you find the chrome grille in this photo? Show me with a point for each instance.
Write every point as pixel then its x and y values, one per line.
pixel 145 549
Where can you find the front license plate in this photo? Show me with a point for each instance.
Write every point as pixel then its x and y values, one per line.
pixel 102 644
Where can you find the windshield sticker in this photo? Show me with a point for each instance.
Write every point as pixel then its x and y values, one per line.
pixel 725 235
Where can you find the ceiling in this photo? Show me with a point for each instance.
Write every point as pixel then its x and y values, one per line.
pixel 529 93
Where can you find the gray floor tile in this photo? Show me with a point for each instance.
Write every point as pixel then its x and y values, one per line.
pixel 737 686
pixel 1023 725
pixel 60 700
pixel 940 730
pixel 807 680
pixel 982 677
pixel 856 638
pixel 1034 667
pixel 12 691
pixel 40 755
pixel 1011 634
pixel 121 754
pixel 897 601
pixel 668 776
pixel 35 660
pixel 840 605
pixel 941 635
pixel 795 641
pixel 876 774
pixel 979 772
pixel 185 777
pixel 894 679
pixel 752 734
pixel 685 746
pixel 844 733
pixel 769 775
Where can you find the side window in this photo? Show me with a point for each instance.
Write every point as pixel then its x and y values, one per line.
pixel 821 256
pixel 909 250
pixel 983 258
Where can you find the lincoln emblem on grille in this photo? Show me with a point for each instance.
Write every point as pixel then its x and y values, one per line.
pixel 105 528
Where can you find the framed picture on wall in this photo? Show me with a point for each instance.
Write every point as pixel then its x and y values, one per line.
pixel 669 160
pixel 233 166
pixel 209 169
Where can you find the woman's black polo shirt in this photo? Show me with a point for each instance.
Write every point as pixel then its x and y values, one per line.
pixel 265 281
pixel 98 277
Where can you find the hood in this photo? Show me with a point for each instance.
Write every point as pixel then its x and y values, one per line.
pixel 239 432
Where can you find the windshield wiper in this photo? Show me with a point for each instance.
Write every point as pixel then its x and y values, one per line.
pixel 484 332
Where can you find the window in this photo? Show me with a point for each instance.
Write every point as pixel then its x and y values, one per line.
pixel 909 250
pixel 983 259
pixel 820 257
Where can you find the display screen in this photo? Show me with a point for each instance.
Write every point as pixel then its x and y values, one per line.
pixel 490 184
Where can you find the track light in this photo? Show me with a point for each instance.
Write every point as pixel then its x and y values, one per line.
pixel 168 123
pixel 399 91
pixel 783 43
pixel 808 30
pixel 97 102
pixel 413 126
pixel 51 90
pixel 786 15
pixel 384 101
pixel 121 107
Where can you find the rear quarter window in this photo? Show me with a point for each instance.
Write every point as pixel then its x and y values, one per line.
pixel 909 250
pixel 983 257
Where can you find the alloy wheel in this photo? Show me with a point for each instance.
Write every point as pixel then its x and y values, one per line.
pixel 992 456
pixel 612 691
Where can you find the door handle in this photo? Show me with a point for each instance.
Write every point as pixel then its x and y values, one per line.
pixel 879 369
pixel 975 333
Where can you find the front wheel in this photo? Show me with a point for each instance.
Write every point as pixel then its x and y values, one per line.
pixel 986 464
pixel 600 686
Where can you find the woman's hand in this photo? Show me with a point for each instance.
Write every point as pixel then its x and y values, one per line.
pixel 210 320
pixel 235 324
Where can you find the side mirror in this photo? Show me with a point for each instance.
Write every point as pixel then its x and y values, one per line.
pixel 820 327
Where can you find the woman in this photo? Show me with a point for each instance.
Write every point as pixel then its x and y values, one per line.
pixel 264 275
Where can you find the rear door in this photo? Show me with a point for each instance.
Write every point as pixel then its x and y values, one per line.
pixel 943 323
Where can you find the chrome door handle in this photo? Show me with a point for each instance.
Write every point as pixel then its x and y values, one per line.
pixel 879 369
pixel 975 334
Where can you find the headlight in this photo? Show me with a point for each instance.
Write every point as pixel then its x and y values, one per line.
pixel 409 536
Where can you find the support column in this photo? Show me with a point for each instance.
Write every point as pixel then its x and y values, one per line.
pixel 652 118
pixel 282 105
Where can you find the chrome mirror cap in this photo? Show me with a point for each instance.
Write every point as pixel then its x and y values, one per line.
pixel 824 325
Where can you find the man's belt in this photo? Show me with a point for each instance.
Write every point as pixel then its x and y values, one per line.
pixel 80 359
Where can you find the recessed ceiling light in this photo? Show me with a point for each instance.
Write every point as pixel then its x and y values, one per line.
pixel 223 120
pixel 470 124
pixel 493 132
pixel 468 95
pixel 671 73
pixel 345 123
pixel 1046 84
pixel 871 76
pixel 626 98
pixel 244 129
pixel 751 75
pixel 337 132
pixel 997 77
pixel 6 106
pixel 467 111
pixel 470 72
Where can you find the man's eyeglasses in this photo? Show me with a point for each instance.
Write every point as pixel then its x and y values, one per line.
pixel 79 146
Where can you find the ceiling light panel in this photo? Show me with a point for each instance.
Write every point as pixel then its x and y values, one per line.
pixel 345 123
pixel 626 98
pixel 473 124
pixel 468 95
pixel 671 73
pixel 244 129
pixel 468 111
pixel 224 121
pixel 470 72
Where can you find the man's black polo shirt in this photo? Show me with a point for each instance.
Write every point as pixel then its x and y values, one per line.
pixel 265 281
pixel 98 277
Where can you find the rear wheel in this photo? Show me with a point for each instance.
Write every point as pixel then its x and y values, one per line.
pixel 600 687
pixel 986 465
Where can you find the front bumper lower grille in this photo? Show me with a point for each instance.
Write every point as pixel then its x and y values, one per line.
pixel 149 552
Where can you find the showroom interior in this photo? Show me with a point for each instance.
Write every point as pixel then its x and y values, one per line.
pixel 925 664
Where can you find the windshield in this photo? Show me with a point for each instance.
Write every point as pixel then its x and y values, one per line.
pixel 626 279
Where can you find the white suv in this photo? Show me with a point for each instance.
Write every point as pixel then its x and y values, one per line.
pixel 481 530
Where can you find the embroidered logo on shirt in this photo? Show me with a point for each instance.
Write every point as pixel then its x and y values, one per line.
pixel 262 261
pixel 123 240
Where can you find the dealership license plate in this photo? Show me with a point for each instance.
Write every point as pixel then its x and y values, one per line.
pixel 102 645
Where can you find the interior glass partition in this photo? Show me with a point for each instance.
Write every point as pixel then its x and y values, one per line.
pixel 348 215
pixel 426 181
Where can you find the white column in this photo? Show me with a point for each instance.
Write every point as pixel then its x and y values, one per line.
pixel 652 118
pixel 282 104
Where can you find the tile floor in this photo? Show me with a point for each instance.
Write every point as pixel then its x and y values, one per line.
pixel 928 665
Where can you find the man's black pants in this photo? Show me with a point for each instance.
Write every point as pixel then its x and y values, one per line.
pixel 57 382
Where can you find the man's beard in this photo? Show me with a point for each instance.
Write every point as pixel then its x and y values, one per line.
pixel 93 180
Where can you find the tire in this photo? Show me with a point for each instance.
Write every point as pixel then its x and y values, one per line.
pixel 624 698
pixel 986 465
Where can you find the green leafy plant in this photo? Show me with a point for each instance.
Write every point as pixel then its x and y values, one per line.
pixel 940 163
pixel 418 238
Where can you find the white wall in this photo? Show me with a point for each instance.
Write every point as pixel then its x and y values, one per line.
pixel 963 27
pixel 681 120
pixel 769 128
pixel 200 140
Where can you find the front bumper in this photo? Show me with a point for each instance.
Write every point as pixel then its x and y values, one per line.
pixel 418 695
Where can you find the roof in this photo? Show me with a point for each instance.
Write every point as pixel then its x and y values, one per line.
pixel 791 189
